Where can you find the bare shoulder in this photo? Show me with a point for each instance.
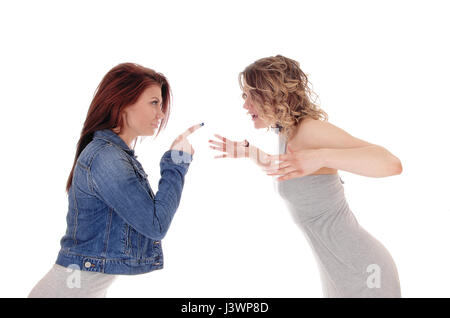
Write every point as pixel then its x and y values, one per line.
pixel 314 134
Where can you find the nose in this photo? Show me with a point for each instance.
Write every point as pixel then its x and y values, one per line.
pixel 161 114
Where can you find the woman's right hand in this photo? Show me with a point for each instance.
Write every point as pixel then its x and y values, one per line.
pixel 238 149
pixel 182 144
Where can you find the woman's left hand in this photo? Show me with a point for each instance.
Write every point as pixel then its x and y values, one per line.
pixel 232 149
pixel 296 164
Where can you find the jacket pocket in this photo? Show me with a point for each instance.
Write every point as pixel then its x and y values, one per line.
pixel 133 242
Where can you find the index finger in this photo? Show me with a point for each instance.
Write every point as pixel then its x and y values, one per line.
pixel 191 130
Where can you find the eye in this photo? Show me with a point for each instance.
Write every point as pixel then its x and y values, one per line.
pixel 244 96
pixel 155 102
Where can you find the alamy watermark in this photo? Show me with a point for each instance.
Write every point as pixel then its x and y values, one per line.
pixel 374 279
pixel 74 279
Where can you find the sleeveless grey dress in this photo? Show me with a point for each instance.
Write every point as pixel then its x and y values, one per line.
pixel 352 263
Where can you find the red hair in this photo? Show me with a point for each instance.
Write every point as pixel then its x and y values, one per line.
pixel 119 88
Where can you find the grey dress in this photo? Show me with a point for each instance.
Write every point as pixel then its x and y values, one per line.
pixel 352 263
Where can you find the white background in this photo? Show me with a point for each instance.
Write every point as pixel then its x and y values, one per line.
pixel 381 70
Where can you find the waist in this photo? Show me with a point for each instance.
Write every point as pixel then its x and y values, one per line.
pixel 313 195
pixel 318 187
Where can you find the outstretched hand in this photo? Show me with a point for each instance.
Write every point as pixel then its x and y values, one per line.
pixel 232 149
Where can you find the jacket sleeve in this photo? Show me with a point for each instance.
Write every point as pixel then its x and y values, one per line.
pixel 115 182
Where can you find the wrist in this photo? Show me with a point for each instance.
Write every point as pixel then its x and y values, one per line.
pixel 258 156
pixel 246 149
pixel 177 156
pixel 251 152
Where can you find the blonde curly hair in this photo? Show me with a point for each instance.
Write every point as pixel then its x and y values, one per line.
pixel 281 93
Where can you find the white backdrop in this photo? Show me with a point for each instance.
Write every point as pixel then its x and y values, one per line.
pixel 380 70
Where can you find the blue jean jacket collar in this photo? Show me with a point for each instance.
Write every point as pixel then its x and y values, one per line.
pixel 109 135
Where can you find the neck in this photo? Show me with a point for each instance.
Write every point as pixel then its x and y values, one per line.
pixel 128 139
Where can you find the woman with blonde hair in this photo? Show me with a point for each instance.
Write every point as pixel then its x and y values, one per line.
pixel 352 263
pixel 115 223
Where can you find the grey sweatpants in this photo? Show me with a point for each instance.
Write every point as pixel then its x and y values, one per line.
pixel 68 282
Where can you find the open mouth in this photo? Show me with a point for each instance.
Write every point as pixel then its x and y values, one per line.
pixel 254 117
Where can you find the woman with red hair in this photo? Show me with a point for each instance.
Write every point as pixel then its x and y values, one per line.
pixel 115 223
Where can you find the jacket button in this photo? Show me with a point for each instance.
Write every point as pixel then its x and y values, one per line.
pixel 156 242
pixel 87 264
pixel 157 264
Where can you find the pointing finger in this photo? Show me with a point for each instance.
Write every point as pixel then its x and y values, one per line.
pixel 191 130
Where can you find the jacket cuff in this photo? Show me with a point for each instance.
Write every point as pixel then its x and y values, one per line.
pixel 178 157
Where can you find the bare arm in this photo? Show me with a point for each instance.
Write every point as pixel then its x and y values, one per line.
pixel 326 145
pixel 370 161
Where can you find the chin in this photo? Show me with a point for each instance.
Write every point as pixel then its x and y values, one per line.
pixel 149 133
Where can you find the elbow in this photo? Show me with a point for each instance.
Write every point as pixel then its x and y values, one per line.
pixel 400 168
pixel 396 167
pixel 156 233
pixel 393 165
pixel 160 231
pixel 159 235
pixel 160 224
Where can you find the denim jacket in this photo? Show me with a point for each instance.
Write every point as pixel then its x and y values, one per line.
pixel 115 223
